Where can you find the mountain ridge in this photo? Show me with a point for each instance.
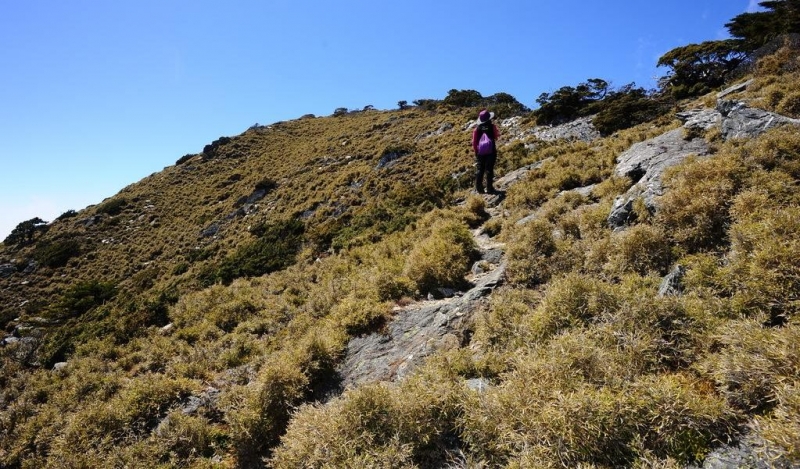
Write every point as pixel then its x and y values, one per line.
pixel 202 316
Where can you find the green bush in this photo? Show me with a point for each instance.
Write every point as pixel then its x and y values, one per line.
pixel 568 102
pixel 67 214
pixel 82 297
pixel 184 159
pixel 570 301
pixel 698 223
pixel 697 69
pixel 641 249
pixel 626 108
pixel 25 231
pixel 56 253
pixel 275 249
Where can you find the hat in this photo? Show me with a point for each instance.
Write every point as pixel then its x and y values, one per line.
pixel 485 116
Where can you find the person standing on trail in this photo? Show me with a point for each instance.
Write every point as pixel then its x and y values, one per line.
pixel 484 139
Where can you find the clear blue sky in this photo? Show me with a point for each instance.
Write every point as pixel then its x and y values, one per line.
pixel 96 95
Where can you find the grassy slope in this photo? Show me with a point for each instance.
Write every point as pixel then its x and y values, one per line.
pixel 587 365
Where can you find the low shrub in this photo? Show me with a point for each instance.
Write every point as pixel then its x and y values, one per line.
pixel 499 326
pixel 782 427
pixel 752 364
pixel 82 297
pixel 113 206
pixel 406 427
pixel 641 249
pixel 475 211
pixel 571 301
pixel 530 255
pixel 259 413
pixel 442 259
pixel 696 204
pixel 274 250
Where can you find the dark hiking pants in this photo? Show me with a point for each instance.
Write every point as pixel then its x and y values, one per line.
pixel 485 164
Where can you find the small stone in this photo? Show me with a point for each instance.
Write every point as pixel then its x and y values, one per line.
pixel 478 384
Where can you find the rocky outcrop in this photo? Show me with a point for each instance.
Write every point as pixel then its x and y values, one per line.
pixel 644 163
pixel 740 121
pixel 6 270
pixel 511 129
pixel 388 159
pixel 435 133
pixel 579 129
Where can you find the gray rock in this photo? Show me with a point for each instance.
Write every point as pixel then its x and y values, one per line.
pixel 584 191
pixel 644 163
pixel 390 159
pixel 210 231
pixel 478 268
pixel 735 88
pixel 6 270
pixel 517 175
pixel 9 340
pixel 60 366
pixel 30 267
pixel 415 333
pixel 527 219
pixel 492 256
pixel 87 222
pixel 435 133
pixel 478 384
pixel 704 119
pixel 579 129
pixel 672 285
pixel 445 292
pixel 750 452
pixel 208 398
pixel 740 121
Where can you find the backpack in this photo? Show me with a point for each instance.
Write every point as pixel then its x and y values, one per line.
pixel 485 142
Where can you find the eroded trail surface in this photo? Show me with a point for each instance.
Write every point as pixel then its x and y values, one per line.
pixel 420 329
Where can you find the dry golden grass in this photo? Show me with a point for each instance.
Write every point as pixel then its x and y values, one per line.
pixel 585 365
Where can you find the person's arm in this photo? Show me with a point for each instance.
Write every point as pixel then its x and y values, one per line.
pixel 496 132
pixel 475 139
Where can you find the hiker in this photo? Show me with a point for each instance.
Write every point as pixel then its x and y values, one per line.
pixel 483 142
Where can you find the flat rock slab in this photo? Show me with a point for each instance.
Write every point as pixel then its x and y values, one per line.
pixel 415 333
pixel 740 121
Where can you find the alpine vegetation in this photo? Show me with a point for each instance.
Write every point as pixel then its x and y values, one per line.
pixel 334 291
